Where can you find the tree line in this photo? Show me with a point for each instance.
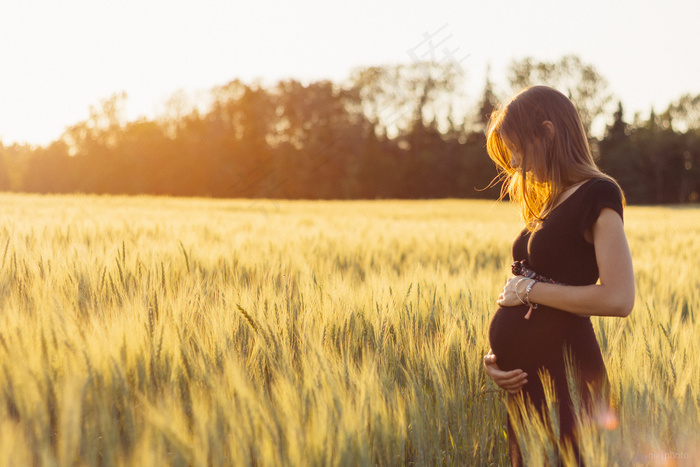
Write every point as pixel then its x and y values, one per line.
pixel 395 131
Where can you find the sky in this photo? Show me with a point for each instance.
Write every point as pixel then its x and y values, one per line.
pixel 59 58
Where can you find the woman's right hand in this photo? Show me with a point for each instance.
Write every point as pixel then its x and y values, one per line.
pixel 511 381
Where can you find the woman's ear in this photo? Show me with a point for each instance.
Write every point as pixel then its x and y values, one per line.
pixel 549 128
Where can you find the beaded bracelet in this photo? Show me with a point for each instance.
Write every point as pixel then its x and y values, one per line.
pixel 516 290
pixel 527 294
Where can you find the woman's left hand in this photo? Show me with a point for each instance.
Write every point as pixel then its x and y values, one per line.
pixel 509 296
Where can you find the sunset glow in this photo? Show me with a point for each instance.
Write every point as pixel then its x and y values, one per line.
pixel 60 58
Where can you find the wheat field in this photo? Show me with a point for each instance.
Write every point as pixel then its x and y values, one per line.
pixel 161 331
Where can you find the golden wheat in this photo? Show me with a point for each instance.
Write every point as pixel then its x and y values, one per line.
pixel 158 331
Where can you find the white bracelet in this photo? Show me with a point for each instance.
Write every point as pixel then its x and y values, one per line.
pixel 528 289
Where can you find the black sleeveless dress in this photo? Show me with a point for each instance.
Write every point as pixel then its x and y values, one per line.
pixel 559 251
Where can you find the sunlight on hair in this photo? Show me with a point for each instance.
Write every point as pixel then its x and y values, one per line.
pixel 552 160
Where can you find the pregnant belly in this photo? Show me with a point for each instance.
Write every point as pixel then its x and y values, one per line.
pixel 526 343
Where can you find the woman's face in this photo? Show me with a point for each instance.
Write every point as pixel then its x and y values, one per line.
pixel 517 158
pixel 516 155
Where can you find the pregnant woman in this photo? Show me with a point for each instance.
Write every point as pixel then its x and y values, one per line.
pixel 572 260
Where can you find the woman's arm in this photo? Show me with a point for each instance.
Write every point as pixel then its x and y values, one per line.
pixel 612 296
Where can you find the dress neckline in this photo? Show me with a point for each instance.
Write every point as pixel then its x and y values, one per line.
pixel 571 195
pixel 555 208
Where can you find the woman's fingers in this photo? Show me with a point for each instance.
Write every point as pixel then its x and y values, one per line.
pixel 509 297
pixel 512 381
pixel 507 379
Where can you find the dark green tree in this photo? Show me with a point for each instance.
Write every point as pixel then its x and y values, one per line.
pixel 619 159
pixel 488 102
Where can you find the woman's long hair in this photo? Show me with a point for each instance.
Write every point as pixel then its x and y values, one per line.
pixel 561 158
